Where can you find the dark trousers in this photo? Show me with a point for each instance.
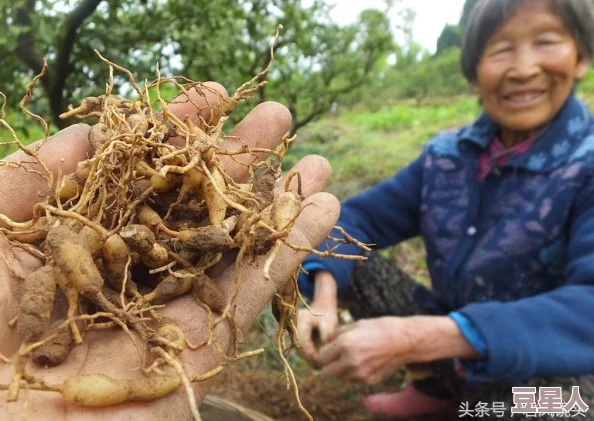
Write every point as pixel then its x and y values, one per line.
pixel 380 288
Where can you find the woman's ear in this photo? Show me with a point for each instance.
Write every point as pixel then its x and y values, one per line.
pixel 474 90
pixel 582 68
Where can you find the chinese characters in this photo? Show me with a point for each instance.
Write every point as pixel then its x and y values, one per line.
pixel 530 401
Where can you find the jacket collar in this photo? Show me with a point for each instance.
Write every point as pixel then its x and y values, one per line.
pixel 554 145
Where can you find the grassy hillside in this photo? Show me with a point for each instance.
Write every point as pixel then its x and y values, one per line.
pixel 364 147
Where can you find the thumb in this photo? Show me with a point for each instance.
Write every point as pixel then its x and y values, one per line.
pixel 21 188
pixel 327 327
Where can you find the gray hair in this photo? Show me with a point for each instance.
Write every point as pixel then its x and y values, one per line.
pixel 488 15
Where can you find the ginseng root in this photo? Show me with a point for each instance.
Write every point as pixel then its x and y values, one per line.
pixel 142 222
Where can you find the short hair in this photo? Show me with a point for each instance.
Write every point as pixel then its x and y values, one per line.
pixel 488 15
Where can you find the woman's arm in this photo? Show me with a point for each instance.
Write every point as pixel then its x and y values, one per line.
pixel 370 350
pixel 436 338
pixel 550 334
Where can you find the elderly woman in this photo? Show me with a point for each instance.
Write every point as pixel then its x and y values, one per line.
pixel 505 207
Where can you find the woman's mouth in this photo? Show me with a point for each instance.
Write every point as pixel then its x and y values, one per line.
pixel 523 99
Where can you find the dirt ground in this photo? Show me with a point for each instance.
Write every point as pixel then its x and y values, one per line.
pixel 261 385
pixel 266 392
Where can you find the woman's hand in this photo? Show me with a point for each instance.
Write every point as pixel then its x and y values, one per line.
pixel 370 350
pixel 319 324
pixel 111 352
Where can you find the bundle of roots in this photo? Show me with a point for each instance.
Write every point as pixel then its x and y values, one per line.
pixel 142 222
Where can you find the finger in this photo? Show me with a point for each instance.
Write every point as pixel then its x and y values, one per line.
pixel 346 328
pixel 304 329
pixel 20 189
pixel 376 375
pixel 315 173
pixel 201 104
pixel 263 127
pixel 15 265
pixel 327 329
pixel 311 227
pixel 338 368
pixel 308 349
pixel 330 352
pixel 376 370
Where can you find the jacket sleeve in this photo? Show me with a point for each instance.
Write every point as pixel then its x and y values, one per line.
pixel 550 334
pixel 382 215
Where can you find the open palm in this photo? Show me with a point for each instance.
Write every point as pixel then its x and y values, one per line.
pixel 111 352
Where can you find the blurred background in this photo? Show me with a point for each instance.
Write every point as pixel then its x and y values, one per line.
pixel 379 75
pixel 367 83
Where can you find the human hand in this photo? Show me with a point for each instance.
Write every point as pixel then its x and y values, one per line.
pixel 368 350
pixel 111 352
pixel 319 324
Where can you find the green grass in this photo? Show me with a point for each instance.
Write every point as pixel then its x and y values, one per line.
pixel 365 147
pixel 406 116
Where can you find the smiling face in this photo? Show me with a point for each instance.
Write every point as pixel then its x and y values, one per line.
pixel 527 72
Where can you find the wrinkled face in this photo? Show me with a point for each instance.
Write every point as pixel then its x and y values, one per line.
pixel 527 71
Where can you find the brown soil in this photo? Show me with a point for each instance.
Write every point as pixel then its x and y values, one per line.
pixel 266 391
pixel 260 384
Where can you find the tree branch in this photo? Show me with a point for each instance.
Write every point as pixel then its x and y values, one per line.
pixel 64 46
pixel 319 109
pixel 25 49
pixel 300 123
pixel 68 33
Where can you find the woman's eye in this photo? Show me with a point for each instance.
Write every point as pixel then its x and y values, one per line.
pixel 501 50
pixel 545 42
pixel 548 38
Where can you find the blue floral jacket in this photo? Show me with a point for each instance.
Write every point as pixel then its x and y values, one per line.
pixel 514 253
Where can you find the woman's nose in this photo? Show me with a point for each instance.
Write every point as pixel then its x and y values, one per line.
pixel 526 64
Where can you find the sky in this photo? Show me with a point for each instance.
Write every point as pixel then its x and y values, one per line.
pixel 431 17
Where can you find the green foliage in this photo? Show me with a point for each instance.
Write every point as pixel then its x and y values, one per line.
pixel 428 77
pixel 438 75
pixel 451 35
pixel 586 84
pixel 317 61
pixel 27 132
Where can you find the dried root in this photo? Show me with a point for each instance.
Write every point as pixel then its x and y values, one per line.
pixel 138 225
